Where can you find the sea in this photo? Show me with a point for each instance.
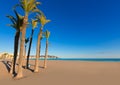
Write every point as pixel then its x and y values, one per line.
pixel 85 59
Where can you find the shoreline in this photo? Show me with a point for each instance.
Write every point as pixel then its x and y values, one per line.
pixel 83 59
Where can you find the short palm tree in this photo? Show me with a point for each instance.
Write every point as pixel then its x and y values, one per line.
pixel 34 25
pixel 16 23
pixel 42 19
pixel 47 35
pixel 28 6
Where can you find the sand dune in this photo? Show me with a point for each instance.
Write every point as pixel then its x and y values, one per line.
pixel 67 73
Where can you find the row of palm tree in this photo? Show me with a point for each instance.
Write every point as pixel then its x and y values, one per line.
pixel 20 23
pixel 43 21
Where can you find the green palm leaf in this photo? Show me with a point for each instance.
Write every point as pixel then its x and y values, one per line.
pixel 42 19
pixel 13 20
pixel 16 22
pixel 34 23
pixel 11 25
pixel 47 34
pixel 29 5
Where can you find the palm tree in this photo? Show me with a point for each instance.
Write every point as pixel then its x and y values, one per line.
pixel 42 19
pixel 47 35
pixel 26 41
pixel 28 6
pixel 34 25
pixel 16 23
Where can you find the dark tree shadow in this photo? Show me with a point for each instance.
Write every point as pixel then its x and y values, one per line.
pixel 7 65
pixel 30 69
pixel 24 67
pixel 41 67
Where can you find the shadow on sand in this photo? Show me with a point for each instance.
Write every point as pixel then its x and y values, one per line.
pixel 7 65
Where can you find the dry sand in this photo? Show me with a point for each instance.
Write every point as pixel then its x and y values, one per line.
pixel 67 73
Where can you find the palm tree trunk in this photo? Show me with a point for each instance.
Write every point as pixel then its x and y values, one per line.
pixel 16 43
pixel 38 50
pixel 22 43
pixel 24 59
pixel 29 49
pixel 46 54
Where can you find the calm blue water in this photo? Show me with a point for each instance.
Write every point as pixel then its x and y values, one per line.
pixel 86 59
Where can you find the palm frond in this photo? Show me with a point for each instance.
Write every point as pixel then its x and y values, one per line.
pixel 43 20
pixel 29 5
pixel 12 25
pixel 16 22
pixel 19 19
pixel 13 20
pixel 47 34
pixel 38 3
pixel 34 23
pixel 26 40
pixel 14 7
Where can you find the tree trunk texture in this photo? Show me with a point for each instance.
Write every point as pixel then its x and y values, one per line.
pixel 46 54
pixel 16 44
pixel 22 43
pixel 36 69
pixel 29 49
pixel 24 59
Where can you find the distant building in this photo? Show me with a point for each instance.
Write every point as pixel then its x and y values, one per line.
pixel 6 55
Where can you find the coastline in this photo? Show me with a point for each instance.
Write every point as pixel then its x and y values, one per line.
pixel 83 59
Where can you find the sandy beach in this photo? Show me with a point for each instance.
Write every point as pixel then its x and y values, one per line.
pixel 67 73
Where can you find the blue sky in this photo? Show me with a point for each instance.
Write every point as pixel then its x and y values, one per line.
pixel 79 28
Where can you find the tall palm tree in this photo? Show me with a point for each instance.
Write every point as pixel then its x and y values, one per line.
pixel 16 23
pixel 34 25
pixel 24 60
pixel 47 35
pixel 28 6
pixel 42 19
